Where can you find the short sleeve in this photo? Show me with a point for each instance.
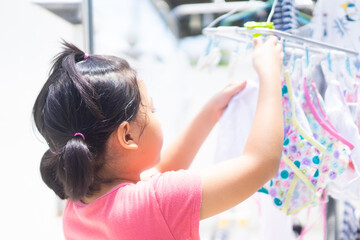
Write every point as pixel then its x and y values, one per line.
pixel 178 194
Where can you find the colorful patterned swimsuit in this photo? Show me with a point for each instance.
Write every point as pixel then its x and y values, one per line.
pixel 294 187
pixel 338 149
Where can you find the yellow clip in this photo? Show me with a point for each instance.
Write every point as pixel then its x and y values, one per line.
pixel 252 25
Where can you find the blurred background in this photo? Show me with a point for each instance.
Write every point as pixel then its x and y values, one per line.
pixel 161 39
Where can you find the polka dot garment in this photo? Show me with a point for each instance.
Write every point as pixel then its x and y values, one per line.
pixel 294 187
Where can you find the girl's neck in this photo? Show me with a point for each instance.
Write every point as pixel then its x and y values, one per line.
pixel 104 188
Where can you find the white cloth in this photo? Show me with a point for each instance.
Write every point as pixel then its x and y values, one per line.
pixel 236 121
pixel 273 223
pixel 234 129
pixel 338 22
pixel 340 117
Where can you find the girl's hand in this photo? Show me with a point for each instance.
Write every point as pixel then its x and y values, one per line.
pixel 182 151
pixel 267 57
pixel 219 101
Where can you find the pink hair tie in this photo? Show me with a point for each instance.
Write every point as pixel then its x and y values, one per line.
pixel 52 152
pixel 85 56
pixel 79 134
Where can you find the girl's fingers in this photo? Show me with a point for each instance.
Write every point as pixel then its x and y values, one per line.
pixel 272 39
pixel 241 86
pixel 234 88
pixel 257 41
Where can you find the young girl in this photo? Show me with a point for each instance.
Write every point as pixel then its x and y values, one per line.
pixel 98 120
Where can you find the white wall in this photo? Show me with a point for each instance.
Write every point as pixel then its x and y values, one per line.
pixel 29 37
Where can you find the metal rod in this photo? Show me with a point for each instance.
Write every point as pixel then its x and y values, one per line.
pixel 87 13
pixel 244 40
pixel 240 30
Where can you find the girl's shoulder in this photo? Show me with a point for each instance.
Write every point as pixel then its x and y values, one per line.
pixel 156 187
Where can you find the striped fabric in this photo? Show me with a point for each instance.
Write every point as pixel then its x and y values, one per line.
pixel 284 17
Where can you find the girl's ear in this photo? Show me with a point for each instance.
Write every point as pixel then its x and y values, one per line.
pixel 125 136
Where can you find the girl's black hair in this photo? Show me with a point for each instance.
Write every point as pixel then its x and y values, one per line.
pixel 91 95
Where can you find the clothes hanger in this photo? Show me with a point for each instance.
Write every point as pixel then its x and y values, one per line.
pixel 220 31
pixel 225 31
pixel 310 63
pixel 327 69
pixel 242 34
pixel 212 55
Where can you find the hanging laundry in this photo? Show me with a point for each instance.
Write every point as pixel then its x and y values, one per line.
pixel 338 22
pixel 236 121
pixel 350 224
pixel 284 17
pixel 277 17
pixel 273 223
pixel 347 186
pixel 338 149
pixel 235 125
pixel 315 153
pixel 293 188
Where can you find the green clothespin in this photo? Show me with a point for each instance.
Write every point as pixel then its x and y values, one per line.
pixel 252 25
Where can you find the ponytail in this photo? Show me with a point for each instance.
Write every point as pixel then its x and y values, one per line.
pixel 91 95
pixel 74 168
pixel 67 60
pixel 48 168
pixel 70 173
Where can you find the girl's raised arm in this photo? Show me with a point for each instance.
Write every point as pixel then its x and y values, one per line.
pixel 228 183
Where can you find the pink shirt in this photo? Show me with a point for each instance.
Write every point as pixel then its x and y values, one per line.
pixel 167 206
